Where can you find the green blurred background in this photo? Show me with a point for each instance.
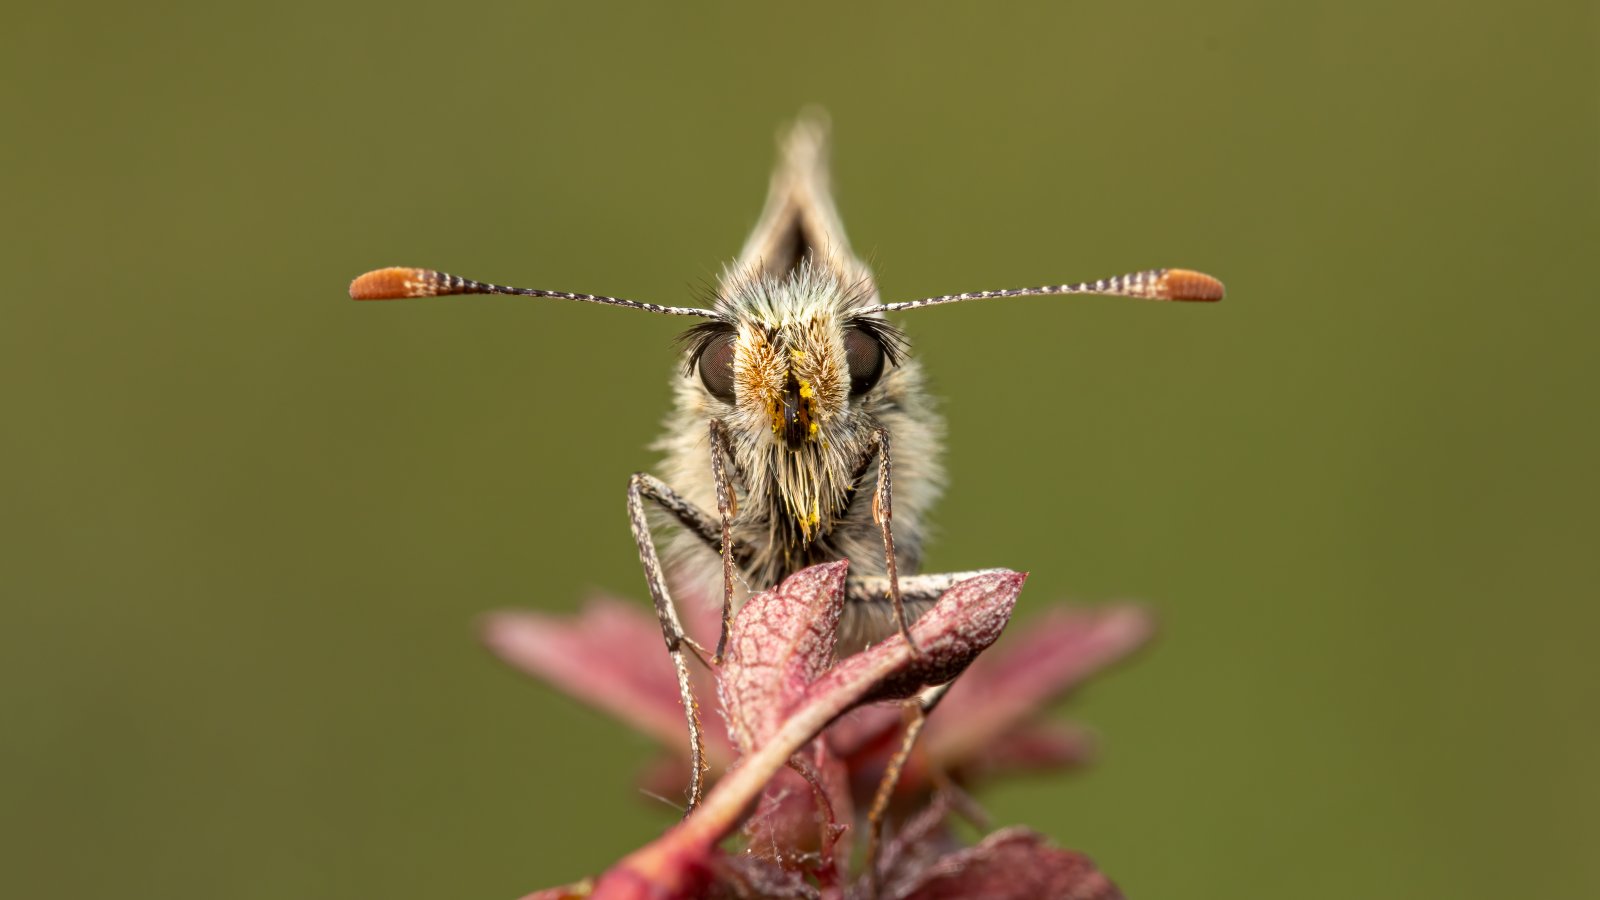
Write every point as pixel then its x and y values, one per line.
pixel 249 524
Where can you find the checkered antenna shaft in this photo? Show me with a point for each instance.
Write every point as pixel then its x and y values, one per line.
pixel 399 283
pixel 1152 284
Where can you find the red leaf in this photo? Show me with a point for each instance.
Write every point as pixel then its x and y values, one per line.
pixel 1012 864
pixel 612 657
pixel 965 621
pixel 780 642
pixel 1034 747
pixel 1051 656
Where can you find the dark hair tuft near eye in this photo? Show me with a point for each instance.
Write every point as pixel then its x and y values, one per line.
pixel 697 339
pixel 710 349
pixel 868 342
pixel 889 338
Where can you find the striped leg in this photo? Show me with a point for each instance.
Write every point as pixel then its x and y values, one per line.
pixel 915 718
pixel 913 588
pixel 883 514
pixel 727 508
pixel 640 488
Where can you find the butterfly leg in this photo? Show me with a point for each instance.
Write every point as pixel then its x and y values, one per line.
pixel 883 515
pixel 915 717
pixel 642 487
pixel 869 617
pixel 918 592
pixel 727 508
pixel 916 589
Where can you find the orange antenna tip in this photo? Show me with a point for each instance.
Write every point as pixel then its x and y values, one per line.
pixel 395 283
pixel 1187 284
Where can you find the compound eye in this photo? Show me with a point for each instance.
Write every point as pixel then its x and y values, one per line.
pixel 864 356
pixel 716 367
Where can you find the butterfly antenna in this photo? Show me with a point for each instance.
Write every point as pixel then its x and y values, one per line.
pixel 1152 284
pixel 399 283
